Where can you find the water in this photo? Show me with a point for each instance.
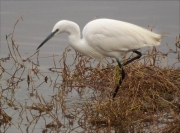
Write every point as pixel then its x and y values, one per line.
pixel 39 18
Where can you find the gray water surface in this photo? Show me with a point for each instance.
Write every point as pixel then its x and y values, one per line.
pixel 39 18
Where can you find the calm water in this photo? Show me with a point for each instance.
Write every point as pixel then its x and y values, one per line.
pixel 39 18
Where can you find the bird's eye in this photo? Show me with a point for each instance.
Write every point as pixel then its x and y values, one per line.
pixel 57 30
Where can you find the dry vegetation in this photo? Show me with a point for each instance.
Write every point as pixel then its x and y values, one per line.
pixel 148 100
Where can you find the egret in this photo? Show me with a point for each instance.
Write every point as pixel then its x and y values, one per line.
pixel 106 38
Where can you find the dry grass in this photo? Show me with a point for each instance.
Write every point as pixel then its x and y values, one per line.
pixel 148 100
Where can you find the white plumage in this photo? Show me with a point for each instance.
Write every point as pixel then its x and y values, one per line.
pixel 113 38
pixel 106 38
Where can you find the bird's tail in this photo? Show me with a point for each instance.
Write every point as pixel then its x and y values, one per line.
pixel 156 39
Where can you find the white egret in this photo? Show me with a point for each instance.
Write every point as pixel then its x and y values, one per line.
pixel 106 38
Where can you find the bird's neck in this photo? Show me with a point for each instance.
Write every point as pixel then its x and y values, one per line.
pixel 75 37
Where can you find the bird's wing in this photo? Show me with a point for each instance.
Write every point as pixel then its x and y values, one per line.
pixel 117 36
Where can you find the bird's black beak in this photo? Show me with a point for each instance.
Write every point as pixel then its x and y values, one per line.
pixel 48 38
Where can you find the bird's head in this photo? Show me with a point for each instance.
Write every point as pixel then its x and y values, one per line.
pixel 59 27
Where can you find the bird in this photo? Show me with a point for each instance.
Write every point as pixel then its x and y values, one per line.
pixel 104 37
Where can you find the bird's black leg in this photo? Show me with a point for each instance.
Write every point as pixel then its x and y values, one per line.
pixel 136 57
pixel 122 77
pixel 123 73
